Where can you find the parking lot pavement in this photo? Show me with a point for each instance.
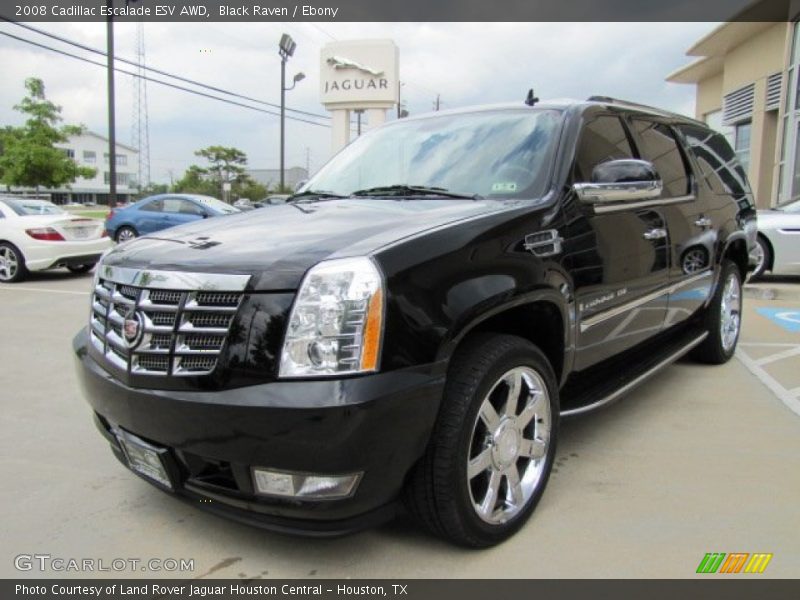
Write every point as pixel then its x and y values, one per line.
pixel 699 459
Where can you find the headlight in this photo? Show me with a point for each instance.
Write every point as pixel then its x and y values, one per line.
pixel 335 327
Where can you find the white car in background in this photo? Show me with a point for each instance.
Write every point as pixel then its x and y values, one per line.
pixel 36 235
pixel 777 247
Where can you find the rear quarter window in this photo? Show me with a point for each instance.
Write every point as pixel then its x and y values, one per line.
pixel 718 164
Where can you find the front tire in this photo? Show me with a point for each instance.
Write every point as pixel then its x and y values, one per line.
pixel 491 452
pixel 723 318
pixel 12 264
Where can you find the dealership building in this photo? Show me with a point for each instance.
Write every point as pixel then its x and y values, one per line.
pixel 90 149
pixel 746 75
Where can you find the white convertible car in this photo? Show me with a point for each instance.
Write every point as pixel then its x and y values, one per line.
pixel 36 235
pixel 778 247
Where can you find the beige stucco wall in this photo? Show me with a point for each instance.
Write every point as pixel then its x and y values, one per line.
pixel 709 96
pixel 752 61
pixel 756 58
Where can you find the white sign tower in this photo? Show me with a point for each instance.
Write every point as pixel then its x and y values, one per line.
pixel 358 75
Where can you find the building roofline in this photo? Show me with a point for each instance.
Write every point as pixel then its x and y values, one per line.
pixel 105 139
pixel 697 70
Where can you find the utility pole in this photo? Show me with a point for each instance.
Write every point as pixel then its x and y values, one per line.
pixel 437 103
pixel 112 134
pixel 399 99
pixel 359 112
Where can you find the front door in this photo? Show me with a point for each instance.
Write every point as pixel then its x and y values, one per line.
pixel 619 256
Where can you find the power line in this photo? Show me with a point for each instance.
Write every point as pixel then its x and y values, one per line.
pixel 164 73
pixel 160 82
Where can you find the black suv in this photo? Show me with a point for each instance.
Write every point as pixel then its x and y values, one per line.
pixel 415 321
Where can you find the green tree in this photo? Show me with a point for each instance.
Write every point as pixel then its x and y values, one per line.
pixel 195 181
pixel 225 165
pixel 29 157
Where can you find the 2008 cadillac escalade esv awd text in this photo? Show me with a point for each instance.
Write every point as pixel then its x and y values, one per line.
pixel 415 321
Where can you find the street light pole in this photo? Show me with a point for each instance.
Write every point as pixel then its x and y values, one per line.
pixel 283 116
pixel 286 49
pixel 112 134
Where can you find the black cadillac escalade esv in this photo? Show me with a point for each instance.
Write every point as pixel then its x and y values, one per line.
pixel 415 321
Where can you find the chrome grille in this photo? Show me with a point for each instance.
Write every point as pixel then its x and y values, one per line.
pixel 183 331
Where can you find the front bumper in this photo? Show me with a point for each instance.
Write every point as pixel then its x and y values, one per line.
pixel 377 424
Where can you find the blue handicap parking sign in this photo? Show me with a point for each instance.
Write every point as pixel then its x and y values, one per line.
pixel 788 318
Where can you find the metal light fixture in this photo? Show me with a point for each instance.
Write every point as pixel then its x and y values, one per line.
pixel 286 48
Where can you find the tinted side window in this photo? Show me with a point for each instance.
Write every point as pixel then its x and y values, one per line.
pixel 154 206
pixel 659 146
pixel 718 163
pixel 602 139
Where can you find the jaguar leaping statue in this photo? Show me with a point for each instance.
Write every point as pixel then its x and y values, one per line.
pixel 338 62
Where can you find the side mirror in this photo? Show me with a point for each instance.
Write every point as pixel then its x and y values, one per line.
pixel 623 180
pixel 300 184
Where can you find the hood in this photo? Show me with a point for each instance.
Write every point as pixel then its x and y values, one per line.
pixel 278 244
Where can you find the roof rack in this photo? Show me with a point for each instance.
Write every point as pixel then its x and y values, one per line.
pixel 644 107
pixel 610 100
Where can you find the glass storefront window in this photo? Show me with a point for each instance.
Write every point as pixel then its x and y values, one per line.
pixel 742 144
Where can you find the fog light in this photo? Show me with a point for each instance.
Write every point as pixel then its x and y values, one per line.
pixel 304 485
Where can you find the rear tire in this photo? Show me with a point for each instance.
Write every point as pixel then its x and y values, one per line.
pixel 723 318
pixel 492 448
pixel 12 264
pixel 126 234
pixel 79 269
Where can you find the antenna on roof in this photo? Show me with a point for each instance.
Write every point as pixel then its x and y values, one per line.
pixel 531 99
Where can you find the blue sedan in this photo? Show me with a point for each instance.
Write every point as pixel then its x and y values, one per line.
pixel 160 212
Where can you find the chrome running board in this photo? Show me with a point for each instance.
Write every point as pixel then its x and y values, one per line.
pixel 641 378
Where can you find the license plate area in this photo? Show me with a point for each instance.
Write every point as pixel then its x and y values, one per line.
pixel 145 458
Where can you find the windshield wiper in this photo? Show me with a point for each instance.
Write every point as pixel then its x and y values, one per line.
pixel 412 190
pixel 314 194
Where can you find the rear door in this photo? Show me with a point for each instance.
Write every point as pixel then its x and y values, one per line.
pixel 690 213
pixel 620 275
pixel 150 216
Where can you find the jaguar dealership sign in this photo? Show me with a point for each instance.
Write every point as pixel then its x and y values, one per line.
pixel 358 75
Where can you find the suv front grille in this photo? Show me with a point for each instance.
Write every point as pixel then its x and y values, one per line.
pixel 182 331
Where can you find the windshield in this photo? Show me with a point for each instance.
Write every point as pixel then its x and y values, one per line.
pixel 492 154
pixel 26 208
pixel 217 205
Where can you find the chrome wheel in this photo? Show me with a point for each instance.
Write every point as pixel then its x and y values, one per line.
pixel 9 263
pixel 730 313
pixel 126 234
pixel 509 444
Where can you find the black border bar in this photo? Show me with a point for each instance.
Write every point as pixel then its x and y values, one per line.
pixel 405 11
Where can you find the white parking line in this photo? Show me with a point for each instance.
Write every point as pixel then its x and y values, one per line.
pixel 20 288
pixel 779 356
pixel 788 397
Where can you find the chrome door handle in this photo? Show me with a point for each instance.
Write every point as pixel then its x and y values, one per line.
pixel 655 234
pixel 703 222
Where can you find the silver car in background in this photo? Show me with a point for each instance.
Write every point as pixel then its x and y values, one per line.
pixel 778 244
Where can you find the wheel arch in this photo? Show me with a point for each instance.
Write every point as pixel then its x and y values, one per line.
pixel 541 318
pixel 737 251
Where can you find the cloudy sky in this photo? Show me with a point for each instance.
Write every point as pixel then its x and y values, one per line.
pixel 465 63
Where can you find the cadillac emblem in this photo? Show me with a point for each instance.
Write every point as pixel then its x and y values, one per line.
pixel 132 328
